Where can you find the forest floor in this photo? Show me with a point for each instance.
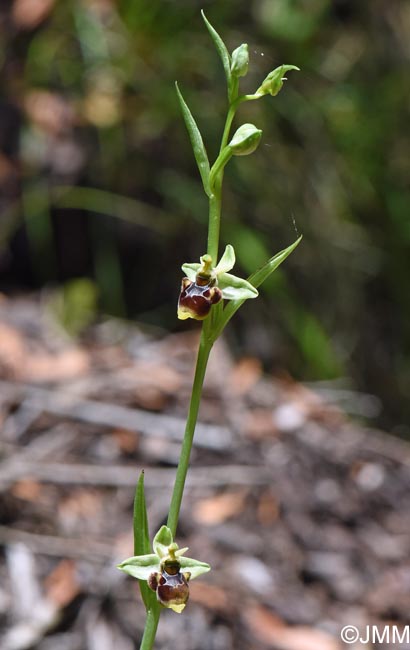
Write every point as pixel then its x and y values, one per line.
pixel 303 514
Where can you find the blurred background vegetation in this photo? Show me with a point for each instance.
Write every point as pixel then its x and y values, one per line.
pixel 101 199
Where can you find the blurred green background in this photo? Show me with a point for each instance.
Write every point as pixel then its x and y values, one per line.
pixel 101 197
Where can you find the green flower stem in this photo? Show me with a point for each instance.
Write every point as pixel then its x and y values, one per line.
pixel 218 166
pixel 228 123
pixel 150 630
pixel 216 178
pixel 214 221
pixel 231 114
pixel 205 346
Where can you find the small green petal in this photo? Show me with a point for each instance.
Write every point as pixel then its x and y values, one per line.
pixel 227 261
pixel 181 551
pixel 191 270
pixel 234 288
pixel 140 566
pixel 162 541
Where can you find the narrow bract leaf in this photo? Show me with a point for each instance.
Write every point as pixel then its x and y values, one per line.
pixel 141 532
pixel 142 544
pixel 221 47
pixel 255 280
pixel 261 274
pixel 197 143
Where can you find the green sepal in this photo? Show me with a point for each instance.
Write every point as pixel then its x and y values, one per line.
pixel 195 567
pixel 162 541
pixel 227 261
pixel 222 51
pixel 141 566
pixel 234 288
pixel 142 544
pixel 191 270
pixel 197 143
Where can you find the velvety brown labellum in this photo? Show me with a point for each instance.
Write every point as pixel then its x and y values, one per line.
pixel 171 585
pixel 172 589
pixel 196 299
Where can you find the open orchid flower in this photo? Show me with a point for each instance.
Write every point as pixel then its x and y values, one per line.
pixel 166 570
pixel 205 285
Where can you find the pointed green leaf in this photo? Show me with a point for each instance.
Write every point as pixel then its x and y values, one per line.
pixel 261 274
pixel 191 270
pixel 197 143
pixel 141 533
pixel 195 567
pixel 234 288
pixel 142 544
pixel 221 48
pixel 227 261
pixel 162 541
pixel 141 566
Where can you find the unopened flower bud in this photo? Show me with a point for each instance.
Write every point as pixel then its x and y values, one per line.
pixel 245 140
pixel 240 61
pixel 274 81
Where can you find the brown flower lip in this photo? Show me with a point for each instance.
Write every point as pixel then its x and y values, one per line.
pixel 171 586
pixel 196 298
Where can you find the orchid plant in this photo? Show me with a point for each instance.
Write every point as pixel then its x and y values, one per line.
pixel 211 294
